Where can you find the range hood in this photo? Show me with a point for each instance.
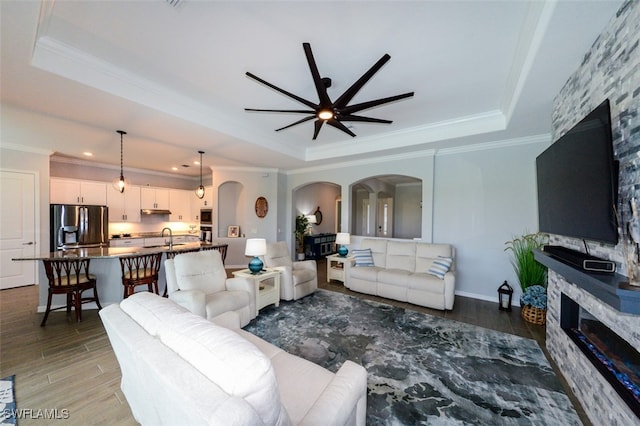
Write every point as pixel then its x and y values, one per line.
pixel 155 211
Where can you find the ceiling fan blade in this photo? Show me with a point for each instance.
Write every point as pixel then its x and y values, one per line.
pixel 349 117
pixel 302 120
pixel 284 92
pixel 321 88
pixel 317 126
pixel 370 104
pixel 296 111
pixel 346 97
pixel 338 125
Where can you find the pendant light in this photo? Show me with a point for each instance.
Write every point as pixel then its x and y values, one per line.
pixel 120 184
pixel 200 189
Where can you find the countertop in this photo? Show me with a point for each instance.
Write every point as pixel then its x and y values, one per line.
pixel 114 252
pixel 152 235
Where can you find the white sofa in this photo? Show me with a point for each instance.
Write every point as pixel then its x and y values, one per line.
pixel 179 368
pixel 400 272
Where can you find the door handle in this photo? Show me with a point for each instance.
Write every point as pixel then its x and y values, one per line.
pixel 30 243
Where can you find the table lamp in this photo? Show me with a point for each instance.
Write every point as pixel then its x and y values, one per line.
pixel 343 238
pixel 255 247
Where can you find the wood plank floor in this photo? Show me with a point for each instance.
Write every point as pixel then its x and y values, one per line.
pixel 71 366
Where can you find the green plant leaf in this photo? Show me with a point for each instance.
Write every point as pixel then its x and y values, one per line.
pixel 528 270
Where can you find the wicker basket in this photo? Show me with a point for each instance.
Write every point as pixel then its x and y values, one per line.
pixel 534 315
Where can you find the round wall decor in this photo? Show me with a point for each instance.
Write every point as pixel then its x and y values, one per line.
pixel 262 207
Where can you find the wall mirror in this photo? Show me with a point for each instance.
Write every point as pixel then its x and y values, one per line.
pixel 318 215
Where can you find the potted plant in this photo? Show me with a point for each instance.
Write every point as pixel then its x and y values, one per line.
pixel 302 228
pixel 532 276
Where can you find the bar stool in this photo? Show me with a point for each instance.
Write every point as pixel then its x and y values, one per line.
pixel 140 269
pixel 70 277
pixel 222 248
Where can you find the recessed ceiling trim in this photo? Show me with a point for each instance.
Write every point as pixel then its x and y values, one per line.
pixel 490 121
pixel 531 36
pixel 505 143
pixel 59 58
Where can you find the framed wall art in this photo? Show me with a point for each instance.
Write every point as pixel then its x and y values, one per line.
pixel 233 231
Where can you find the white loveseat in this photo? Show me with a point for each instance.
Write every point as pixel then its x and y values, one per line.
pixel 181 369
pixel 400 271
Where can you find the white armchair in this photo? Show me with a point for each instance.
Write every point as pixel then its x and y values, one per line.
pixel 198 281
pixel 297 279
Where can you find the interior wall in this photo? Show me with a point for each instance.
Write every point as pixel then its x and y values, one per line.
pixel 603 75
pixel 484 198
pixel 418 165
pixel 309 198
pixel 38 163
pixel 255 183
pixel 407 211
pixel 229 194
pixel 610 69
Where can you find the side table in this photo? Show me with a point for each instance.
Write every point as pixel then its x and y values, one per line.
pixel 267 285
pixel 335 267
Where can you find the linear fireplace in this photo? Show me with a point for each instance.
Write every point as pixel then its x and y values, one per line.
pixel 592 308
pixel 613 357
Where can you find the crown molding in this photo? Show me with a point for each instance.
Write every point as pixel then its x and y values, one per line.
pixel 505 143
pixel 364 162
pixel 26 148
pixel 531 36
pixel 485 122
pixel 245 169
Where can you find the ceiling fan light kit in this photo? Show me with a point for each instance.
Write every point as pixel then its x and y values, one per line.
pixel 331 112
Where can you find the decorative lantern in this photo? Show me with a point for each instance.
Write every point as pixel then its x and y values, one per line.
pixel 505 293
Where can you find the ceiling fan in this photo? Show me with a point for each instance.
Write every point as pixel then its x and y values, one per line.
pixel 326 111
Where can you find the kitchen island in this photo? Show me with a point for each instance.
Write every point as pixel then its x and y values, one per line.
pixel 105 265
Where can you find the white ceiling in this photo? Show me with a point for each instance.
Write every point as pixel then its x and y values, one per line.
pixel 174 77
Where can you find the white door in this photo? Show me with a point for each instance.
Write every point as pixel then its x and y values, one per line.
pixel 385 218
pixel 17 228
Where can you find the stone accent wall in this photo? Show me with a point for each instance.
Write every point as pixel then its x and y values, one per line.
pixel 600 402
pixel 611 69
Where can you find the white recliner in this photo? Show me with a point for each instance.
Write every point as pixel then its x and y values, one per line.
pixel 297 279
pixel 198 281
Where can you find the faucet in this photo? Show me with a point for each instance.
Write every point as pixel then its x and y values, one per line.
pixel 170 237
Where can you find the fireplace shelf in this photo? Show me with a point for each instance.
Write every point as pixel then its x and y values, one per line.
pixel 611 289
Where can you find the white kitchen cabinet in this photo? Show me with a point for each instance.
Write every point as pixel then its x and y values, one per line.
pixel 197 203
pixel 126 242
pixel 154 198
pixel 73 191
pixel 180 205
pixel 124 207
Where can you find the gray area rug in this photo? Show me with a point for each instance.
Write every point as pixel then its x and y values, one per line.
pixel 422 369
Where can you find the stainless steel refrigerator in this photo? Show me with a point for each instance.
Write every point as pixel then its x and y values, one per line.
pixel 74 226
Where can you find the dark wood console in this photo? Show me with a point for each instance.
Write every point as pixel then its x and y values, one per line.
pixel 319 245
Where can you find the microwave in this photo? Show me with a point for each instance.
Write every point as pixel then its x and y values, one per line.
pixel 206 217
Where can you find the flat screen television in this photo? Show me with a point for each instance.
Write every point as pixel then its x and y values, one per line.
pixel 578 181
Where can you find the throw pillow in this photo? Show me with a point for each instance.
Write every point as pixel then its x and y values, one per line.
pixel 363 257
pixel 440 266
